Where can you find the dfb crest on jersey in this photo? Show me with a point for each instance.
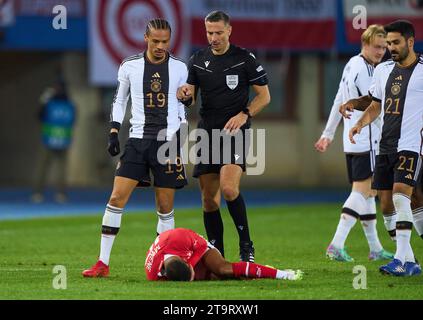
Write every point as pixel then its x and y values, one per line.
pixel 232 81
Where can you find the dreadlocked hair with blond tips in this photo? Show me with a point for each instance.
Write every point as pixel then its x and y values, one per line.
pixel 158 24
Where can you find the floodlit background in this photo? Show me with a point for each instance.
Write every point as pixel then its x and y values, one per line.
pixel 303 45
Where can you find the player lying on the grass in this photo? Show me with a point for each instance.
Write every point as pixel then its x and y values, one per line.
pixel 183 255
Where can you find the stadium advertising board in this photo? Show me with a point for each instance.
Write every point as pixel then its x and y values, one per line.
pixel 382 12
pixel 75 8
pixel 117 28
pixel 272 24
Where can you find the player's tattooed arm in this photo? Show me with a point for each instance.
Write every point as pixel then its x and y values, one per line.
pixel 360 104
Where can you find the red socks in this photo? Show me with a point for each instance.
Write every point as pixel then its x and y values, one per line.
pixel 252 270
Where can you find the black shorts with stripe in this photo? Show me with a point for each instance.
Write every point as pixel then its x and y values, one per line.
pixel 401 167
pixel 360 166
pixel 232 150
pixel 141 157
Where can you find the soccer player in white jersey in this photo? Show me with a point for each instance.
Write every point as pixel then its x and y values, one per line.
pixel 360 205
pixel 397 94
pixel 151 79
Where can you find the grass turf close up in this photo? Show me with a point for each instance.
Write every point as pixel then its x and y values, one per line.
pixel 285 237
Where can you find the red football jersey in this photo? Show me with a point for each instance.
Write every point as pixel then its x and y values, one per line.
pixel 184 243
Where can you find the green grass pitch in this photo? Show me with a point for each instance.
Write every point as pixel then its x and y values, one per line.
pixel 285 237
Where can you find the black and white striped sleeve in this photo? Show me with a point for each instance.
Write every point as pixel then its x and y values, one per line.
pixel 121 97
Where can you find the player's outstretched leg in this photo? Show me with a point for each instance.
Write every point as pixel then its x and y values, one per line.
pixel 110 228
pixel 122 190
pixel 214 262
pixel 257 271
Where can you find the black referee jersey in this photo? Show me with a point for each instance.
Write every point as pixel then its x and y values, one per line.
pixel 224 82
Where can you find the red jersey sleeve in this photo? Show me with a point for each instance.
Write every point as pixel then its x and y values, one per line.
pixel 187 244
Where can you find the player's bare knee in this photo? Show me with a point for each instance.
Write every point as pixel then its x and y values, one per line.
pixel 364 187
pixel 164 207
pixel 387 207
pixel 403 189
pixel 117 200
pixel 224 270
pixel 209 204
pixel 230 193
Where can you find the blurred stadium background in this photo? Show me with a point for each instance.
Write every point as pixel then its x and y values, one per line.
pixel 303 45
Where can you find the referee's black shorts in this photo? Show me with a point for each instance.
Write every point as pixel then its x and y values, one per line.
pixel 141 157
pixel 222 151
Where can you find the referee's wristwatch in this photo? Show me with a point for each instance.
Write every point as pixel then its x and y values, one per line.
pixel 247 112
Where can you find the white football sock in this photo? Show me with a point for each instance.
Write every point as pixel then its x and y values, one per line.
pixel 106 248
pixel 418 220
pixel 166 221
pixel 403 208
pixel 369 227
pixel 404 251
pixel 355 204
pixel 284 274
pixel 111 225
pixel 390 223
pixel 346 222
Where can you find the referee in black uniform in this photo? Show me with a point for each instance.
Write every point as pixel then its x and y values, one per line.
pixel 224 73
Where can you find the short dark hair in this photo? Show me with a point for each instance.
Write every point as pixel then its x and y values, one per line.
pixel 178 270
pixel 404 27
pixel 158 24
pixel 216 16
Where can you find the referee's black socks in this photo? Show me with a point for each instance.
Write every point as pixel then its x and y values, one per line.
pixel 239 216
pixel 214 228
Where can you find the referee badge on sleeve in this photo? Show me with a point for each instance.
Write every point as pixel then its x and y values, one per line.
pixel 232 81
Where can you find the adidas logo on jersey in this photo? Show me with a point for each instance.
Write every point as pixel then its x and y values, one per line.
pixel 399 78
pixel 180 177
pixel 409 176
pixel 156 75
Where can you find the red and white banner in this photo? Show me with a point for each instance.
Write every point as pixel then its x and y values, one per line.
pixel 382 12
pixel 271 24
pixel 7 13
pixel 74 8
pixel 117 27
